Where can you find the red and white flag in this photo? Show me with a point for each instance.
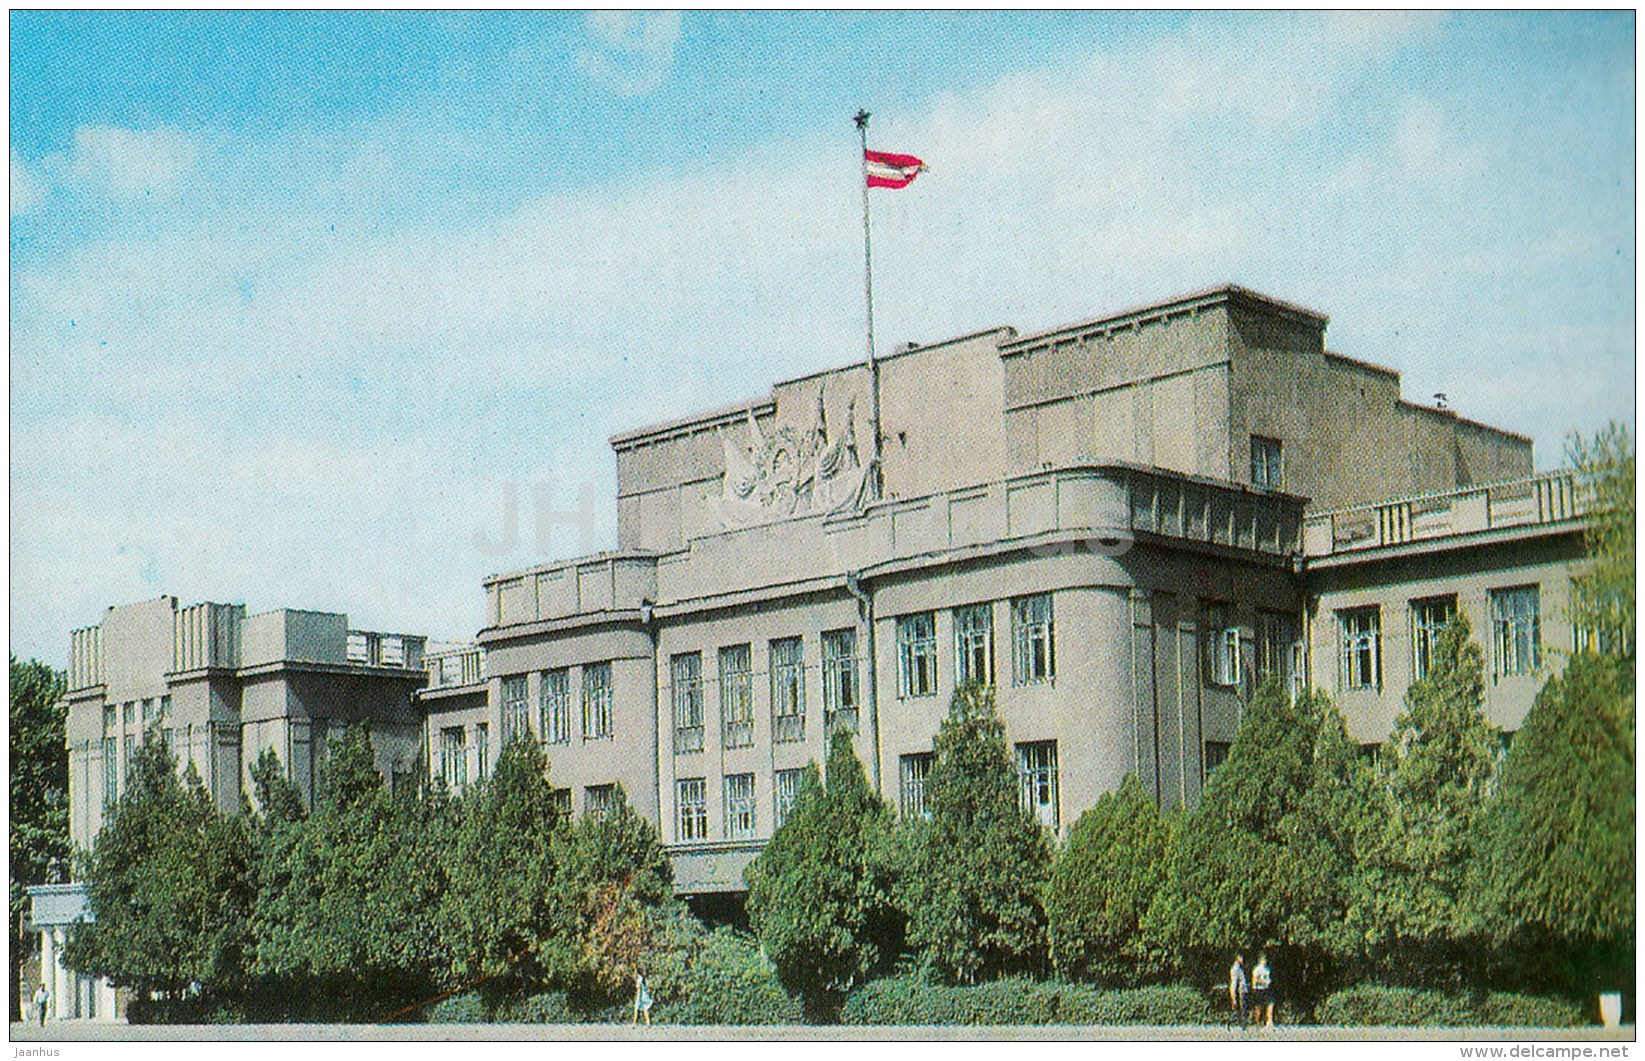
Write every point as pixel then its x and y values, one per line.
pixel 886 170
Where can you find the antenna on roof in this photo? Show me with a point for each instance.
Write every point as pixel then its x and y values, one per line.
pixel 1439 400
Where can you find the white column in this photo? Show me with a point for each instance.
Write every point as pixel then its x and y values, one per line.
pixel 48 962
pixel 61 1007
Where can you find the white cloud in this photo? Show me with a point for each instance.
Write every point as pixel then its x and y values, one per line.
pixel 131 163
pixel 630 52
pixel 28 186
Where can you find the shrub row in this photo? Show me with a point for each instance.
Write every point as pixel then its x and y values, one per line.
pixel 910 999
pixel 1373 1005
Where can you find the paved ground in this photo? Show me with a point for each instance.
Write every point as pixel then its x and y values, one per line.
pixel 89 1031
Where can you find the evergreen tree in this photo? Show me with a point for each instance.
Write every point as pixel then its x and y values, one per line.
pixel 820 894
pixel 1603 603
pixel 1556 881
pixel 1102 883
pixel 505 876
pixel 1264 858
pixel 169 883
pixel 39 814
pixel 620 883
pixel 974 872
pixel 1433 778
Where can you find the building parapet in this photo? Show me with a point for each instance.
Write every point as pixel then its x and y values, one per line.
pixel 451 668
pixel 372 649
pixel 85 658
pixel 613 581
pixel 1551 497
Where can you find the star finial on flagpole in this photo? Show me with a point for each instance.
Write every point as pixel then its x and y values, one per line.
pixel 861 118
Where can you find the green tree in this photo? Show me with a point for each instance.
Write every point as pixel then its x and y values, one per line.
pixel 619 881
pixel 974 873
pixel 344 919
pixel 820 895
pixel 1102 883
pixel 1263 860
pixel 505 878
pixel 169 883
pixel 1556 880
pixel 39 815
pixel 1603 600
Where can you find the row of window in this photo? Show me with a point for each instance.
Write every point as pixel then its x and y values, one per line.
pixel 1037 786
pixel 554 705
pixel 454 754
pixel 125 716
pixel 786 673
pixel 1033 646
pixel 1516 636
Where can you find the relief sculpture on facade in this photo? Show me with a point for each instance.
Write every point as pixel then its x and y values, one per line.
pixel 790 474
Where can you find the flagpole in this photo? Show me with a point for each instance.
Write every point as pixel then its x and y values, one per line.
pixel 868 300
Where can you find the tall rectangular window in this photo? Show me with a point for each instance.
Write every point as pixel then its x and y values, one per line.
pixel 691 801
pixel 1267 470
pixel 598 799
pixel 1220 636
pixel 974 644
pixel 1037 780
pixel 1516 625
pixel 1359 659
pixel 739 806
pixel 737 696
pixel 1428 619
pixel 453 758
pixel 787 690
pixel 597 701
pixel 165 707
pixel 686 677
pixel 560 798
pixel 148 712
pixel 554 706
pixel 917 655
pixel 1216 753
pixel 785 790
pixel 482 750
pixel 1276 634
pixel 912 770
pixel 516 717
pixel 111 770
pixel 129 712
pixel 839 656
pixel 1034 637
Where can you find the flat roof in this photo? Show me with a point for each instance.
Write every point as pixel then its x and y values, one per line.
pixel 1194 300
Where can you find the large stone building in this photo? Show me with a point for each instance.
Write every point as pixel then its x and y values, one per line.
pixel 1122 525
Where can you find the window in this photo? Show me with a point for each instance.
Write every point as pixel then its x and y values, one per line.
pixel 516 722
pixel 787 690
pixel 974 644
pixel 598 799
pixel 1428 618
pixel 1220 636
pixel 129 712
pixel 1359 663
pixel 1266 468
pixel 1034 637
pixel 1276 637
pixel 912 772
pixel 165 707
pixel 554 707
pixel 111 720
pixel 453 758
pixel 1517 630
pixel 1037 778
pixel 692 798
pixel 739 806
pixel 917 655
pixel 597 701
pixel 686 673
pixel 786 790
pixel 130 743
pixel 482 749
pixel 839 653
pixel 148 712
pixel 1216 753
pixel 560 800
pixel 737 696
pixel 111 770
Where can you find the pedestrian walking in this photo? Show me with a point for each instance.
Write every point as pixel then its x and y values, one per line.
pixel 1238 988
pixel 642 999
pixel 1262 990
pixel 41 998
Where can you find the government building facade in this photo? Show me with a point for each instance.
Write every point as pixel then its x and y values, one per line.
pixel 1123 526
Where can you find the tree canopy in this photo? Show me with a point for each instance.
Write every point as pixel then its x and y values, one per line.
pixel 38 825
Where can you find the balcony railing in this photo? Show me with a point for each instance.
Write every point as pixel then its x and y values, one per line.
pixel 1552 497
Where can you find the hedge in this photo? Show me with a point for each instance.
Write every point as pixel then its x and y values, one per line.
pixel 909 999
pixel 1373 1005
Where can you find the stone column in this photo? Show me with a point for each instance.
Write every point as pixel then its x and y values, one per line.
pixel 48 964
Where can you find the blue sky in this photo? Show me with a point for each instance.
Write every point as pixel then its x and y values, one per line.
pixel 298 298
